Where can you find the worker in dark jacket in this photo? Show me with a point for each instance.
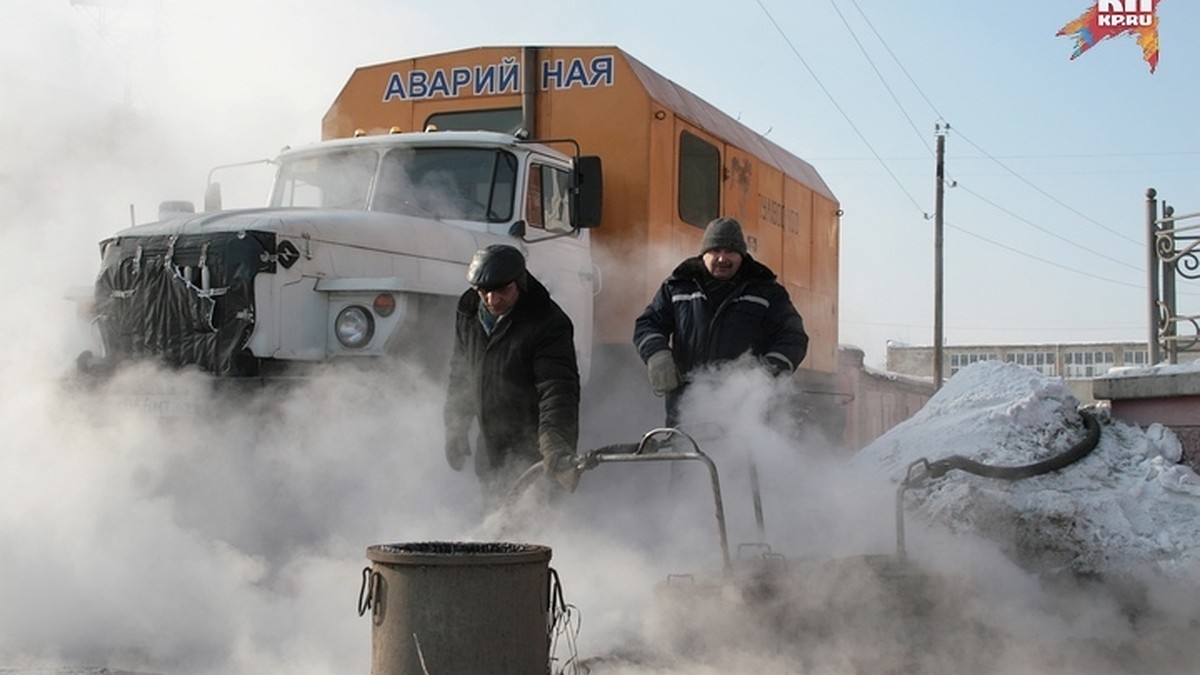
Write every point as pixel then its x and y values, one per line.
pixel 716 307
pixel 513 369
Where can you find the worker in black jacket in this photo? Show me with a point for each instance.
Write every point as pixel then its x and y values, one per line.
pixel 716 307
pixel 513 368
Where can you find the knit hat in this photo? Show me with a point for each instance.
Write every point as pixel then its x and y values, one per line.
pixel 723 233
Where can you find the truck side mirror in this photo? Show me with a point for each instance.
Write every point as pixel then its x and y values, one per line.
pixel 589 192
pixel 517 229
pixel 212 197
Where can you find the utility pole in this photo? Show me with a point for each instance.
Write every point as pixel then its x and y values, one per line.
pixel 940 130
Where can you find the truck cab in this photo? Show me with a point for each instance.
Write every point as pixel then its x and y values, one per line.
pixel 361 253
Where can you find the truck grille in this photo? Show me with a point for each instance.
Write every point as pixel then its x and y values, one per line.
pixel 184 300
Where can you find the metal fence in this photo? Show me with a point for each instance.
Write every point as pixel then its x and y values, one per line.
pixel 1172 257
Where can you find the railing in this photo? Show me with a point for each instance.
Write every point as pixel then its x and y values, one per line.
pixel 1172 256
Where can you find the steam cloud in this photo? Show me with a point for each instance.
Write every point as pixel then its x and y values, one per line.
pixel 221 534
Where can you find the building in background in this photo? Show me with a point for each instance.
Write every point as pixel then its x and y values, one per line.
pixel 1077 363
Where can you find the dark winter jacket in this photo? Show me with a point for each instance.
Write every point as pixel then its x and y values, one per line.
pixel 756 316
pixel 521 382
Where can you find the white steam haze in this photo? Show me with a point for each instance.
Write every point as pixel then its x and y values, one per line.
pixel 230 539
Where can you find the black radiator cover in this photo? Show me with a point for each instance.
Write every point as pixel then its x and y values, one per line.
pixel 150 305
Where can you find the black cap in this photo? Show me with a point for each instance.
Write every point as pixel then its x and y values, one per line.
pixel 495 266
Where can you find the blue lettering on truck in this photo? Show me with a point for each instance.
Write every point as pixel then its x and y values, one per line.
pixel 497 78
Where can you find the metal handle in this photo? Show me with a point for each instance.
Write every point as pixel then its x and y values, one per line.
pixel 368 593
pixel 646 453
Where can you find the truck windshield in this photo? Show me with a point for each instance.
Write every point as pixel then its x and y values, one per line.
pixel 455 183
pixel 439 182
pixel 332 180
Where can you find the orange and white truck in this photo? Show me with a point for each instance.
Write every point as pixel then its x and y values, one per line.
pixel 603 171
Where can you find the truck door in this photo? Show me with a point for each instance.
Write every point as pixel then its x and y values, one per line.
pixel 559 255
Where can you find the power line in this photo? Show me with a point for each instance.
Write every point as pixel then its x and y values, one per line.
pixel 1039 228
pixel 907 117
pixel 934 108
pixel 1049 196
pixel 882 79
pixel 1043 260
pixel 1074 155
pixel 993 158
pixel 837 106
pixel 898 62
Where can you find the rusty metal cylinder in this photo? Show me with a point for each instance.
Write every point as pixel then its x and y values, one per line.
pixel 458 607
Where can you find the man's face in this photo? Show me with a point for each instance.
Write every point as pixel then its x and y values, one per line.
pixel 499 301
pixel 722 263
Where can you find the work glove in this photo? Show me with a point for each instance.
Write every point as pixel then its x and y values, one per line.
pixel 664 376
pixel 775 367
pixel 559 464
pixel 564 469
pixel 458 449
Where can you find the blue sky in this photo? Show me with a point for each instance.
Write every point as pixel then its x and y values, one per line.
pixel 1045 232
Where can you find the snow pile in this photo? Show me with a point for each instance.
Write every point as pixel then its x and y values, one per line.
pixel 1129 505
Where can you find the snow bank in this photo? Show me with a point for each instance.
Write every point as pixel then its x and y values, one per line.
pixel 1129 505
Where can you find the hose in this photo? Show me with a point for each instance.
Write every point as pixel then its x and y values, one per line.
pixel 585 461
pixel 922 469
pixel 523 482
pixel 1073 454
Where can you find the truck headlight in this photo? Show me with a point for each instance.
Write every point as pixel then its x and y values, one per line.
pixel 354 327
